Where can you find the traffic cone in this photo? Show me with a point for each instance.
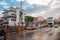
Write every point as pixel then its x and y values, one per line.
pixel 31 27
pixel 17 27
pixel 22 28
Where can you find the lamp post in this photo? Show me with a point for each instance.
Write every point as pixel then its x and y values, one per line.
pixel 20 16
pixel 23 16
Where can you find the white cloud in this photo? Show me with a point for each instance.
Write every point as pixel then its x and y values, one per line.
pixel 1 11
pixel 4 3
pixel 6 7
pixel 53 10
pixel 1 15
pixel 37 14
pixel 54 5
pixel 39 2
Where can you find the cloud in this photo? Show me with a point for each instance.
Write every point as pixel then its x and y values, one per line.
pixel 1 15
pixel 36 8
pixel 53 9
pixel 49 7
pixel 6 7
pixel 39 2
pixel 4 3
pixel 37 14
pixel 54 5
pixel 1 11
pixel 54 13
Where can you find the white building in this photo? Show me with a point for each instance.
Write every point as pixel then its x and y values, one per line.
pixel 13 16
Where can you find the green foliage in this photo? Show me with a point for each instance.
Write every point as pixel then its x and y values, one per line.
pixel 28 20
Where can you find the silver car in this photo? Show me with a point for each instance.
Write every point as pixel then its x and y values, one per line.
pixel 55 26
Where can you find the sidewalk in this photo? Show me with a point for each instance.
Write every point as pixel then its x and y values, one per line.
pixel 27 31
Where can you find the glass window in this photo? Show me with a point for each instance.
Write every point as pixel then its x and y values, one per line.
pixel 13 19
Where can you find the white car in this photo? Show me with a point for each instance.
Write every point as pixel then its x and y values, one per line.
pixel 55 26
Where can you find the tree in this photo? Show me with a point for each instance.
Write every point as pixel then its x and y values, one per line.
pixel 28 19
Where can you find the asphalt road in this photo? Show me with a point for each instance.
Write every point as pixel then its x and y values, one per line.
pixel 54 34
pixel 33 35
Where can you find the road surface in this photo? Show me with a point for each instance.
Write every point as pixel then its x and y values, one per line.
pixel 32 35
pixel 54 34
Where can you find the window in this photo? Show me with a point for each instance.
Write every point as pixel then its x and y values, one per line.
pixel 13 19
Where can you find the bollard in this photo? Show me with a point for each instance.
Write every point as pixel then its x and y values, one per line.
pixel 17 27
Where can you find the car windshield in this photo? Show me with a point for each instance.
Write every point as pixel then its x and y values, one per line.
pixel 50 23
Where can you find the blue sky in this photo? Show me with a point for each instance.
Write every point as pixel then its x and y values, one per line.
pixel 29 8
pixel 44 8
pixel 10 3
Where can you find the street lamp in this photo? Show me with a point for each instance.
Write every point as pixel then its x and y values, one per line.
pixel 21 3
pixel 22 13
pixel 22 10
pixel 19 14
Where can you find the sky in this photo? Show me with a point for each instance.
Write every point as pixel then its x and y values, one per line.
pixel 45 8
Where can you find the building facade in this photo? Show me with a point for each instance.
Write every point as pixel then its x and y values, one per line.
pixel 13 16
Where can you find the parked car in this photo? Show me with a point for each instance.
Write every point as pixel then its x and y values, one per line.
pixel 2 34
pixel 55 26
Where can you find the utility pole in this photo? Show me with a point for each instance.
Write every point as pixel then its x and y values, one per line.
pixel 23 16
